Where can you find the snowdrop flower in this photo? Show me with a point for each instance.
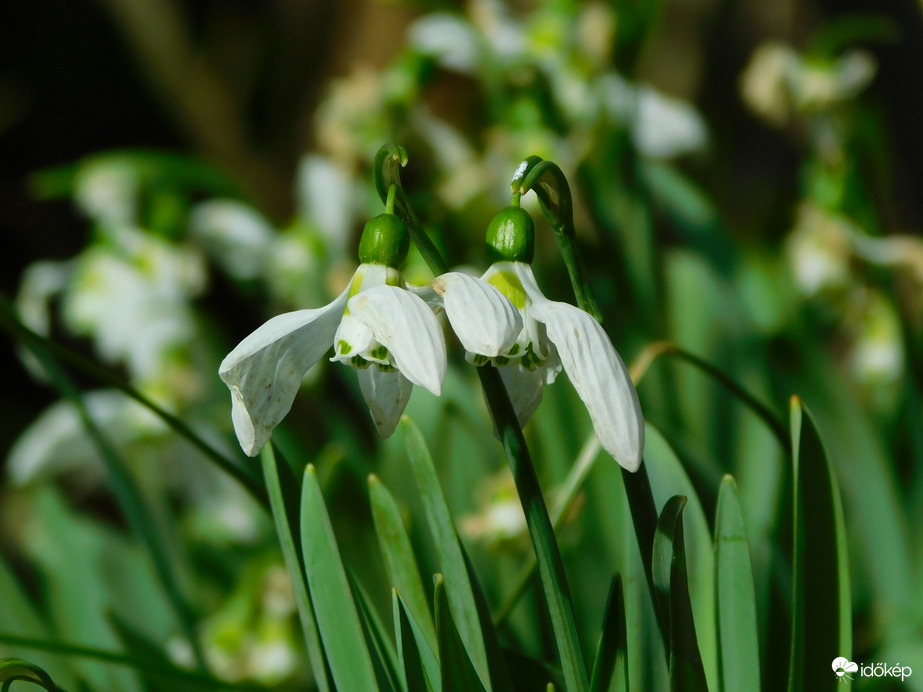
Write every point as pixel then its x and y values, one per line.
pixel 532 340
pixel 386 332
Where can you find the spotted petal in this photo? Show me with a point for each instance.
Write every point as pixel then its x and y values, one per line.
pixel 485 322
pixel 386 393
pixel 265 370
pixel 600 378
pixel 407 327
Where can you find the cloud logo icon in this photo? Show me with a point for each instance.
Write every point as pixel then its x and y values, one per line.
pixel 841 666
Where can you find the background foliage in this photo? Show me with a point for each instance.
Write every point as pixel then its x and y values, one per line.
pixel 744 173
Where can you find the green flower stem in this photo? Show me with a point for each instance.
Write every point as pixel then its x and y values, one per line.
pixel 565 497
pixel 548 555
pixel 550 186
pixel 10 323
pixel 388 162
pixel 547 180
pixel 387 171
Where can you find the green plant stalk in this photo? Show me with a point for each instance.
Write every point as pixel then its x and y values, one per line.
pixel 565 497
pixel 163 668
pixel 548 555
pixel 32 340
pixel 388 162
pixel 549 184
pixel 130 499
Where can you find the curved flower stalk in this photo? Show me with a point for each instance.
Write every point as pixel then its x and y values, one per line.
pixel 390 335
pixel 541 338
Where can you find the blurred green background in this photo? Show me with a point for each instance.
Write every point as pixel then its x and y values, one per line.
pixel 746 180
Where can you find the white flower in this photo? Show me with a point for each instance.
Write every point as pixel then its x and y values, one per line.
pixel 533 340
pixel 389 334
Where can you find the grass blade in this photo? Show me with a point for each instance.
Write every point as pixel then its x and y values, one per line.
pixel 672 589
pixel 458 588
pixel 735 598
pixel 419 674
pixel 400 562
pixel 384 656
pixel 335 609
pixel 458 674
pixel 279 478
pixel 611 664
pixel 821 617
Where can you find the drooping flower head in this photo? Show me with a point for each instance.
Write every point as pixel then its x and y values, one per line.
pixel 531 348
pixel 375 325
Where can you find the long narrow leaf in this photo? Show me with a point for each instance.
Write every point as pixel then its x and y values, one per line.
pixel 284 513
pixel 335 610
pixel 384 655
pixel 458 588
pixel 611 664
pixel 458 674
pixel 399 558
pixel 686 672
pixel 416 673
pixel 738 644
pixel 821 618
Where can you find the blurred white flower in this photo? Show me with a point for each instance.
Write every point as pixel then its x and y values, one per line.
pixel 449 39
pixel 819 250
pixel 778 82
pixel 235 235
pixel 133 300
pixel 57 441
pixel 877 353
pixel 662 127
pixel 106 190
pixel 327 200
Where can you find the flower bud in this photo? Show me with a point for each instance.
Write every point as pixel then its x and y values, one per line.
pixel 511 236
pixel 384 241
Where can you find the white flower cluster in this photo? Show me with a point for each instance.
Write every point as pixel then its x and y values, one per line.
pixel 389 332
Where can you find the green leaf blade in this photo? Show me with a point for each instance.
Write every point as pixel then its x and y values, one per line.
pixel 400 562
pixel 284 512
pixel 822 616
pixel 458 673
pixel 735 597
pixel 459 592
pixel 335 610
pixel 611 663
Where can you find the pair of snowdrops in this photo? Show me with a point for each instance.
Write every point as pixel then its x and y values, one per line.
pixel 389 332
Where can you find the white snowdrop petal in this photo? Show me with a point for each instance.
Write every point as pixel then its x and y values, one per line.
pixel 485 322
pixel 264 371
pixel 524 388
pixel 600 378
pixel 407 327
pixel 352 338
pixel 386 394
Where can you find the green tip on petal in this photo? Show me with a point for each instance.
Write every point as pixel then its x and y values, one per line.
pixel 384 241
pixel 511 236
